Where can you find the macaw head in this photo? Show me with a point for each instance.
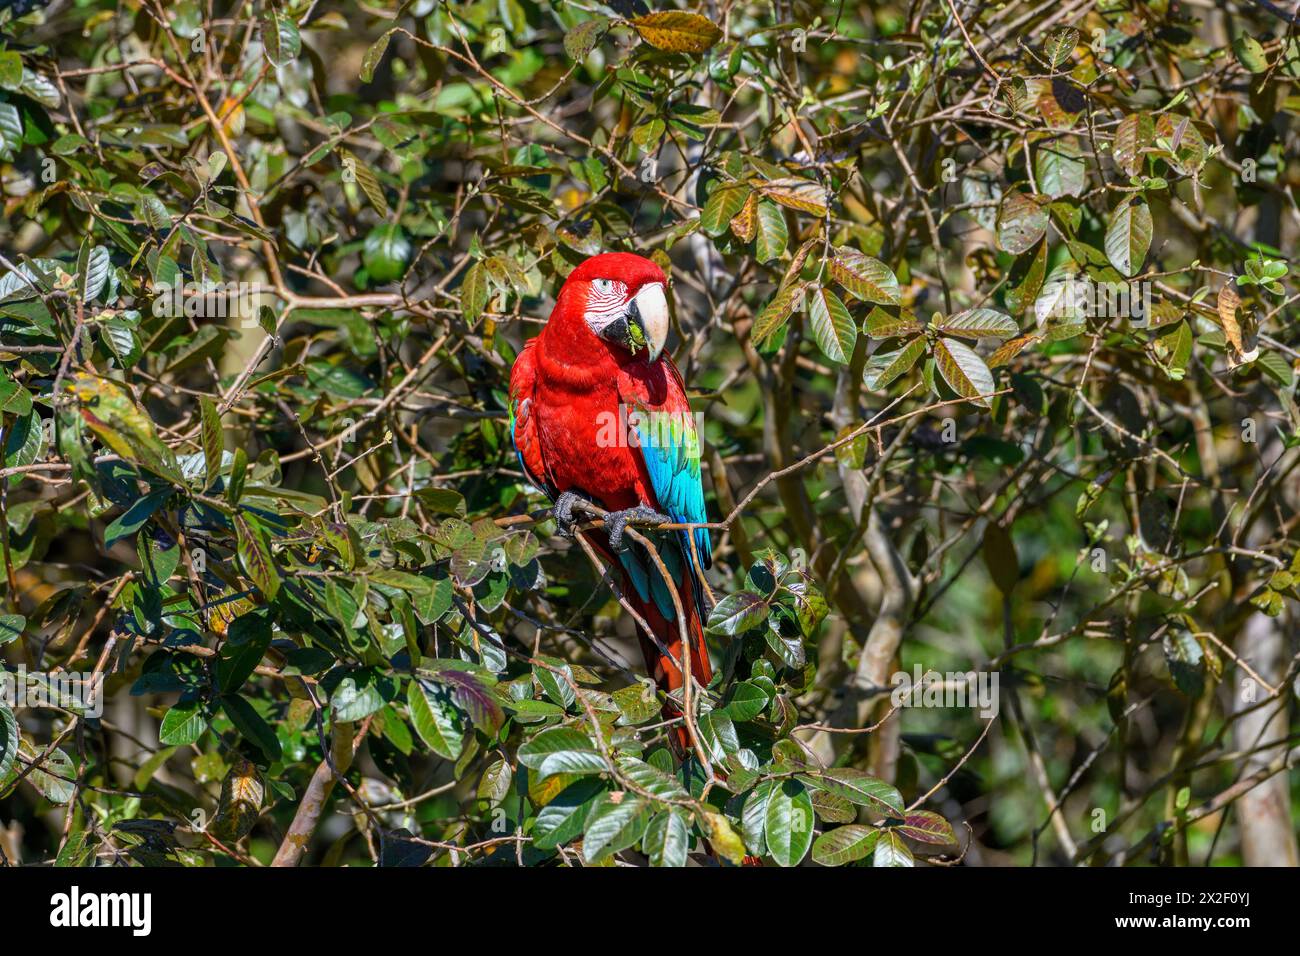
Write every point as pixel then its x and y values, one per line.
pixel 622 300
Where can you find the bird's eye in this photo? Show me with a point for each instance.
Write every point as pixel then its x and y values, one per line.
pixel 602 285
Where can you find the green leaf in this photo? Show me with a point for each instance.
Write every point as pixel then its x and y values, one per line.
pixel 474 292
pixel 771 238
pixel 884 367
pixel 746 701
pixel 183 724
pixel 926 827
pixel 1128 237
pixel 112 414
pixel 8 743
pixel 787 647
pixel 1021 222
pixel 1186 660
pixel 865 277
pixel 280 39
pixel 435 719
pixel 11 75
pixel 617 822
pixel 472 693
pixel 553 685
pixel 979 324
pixel 788 823
pixel 776 313
pixel 385 252
pixel 1174 347
pixel 23 441
pixel 832 809
pixel 238 472
pixel 668 838
pixel 213 440
pixel 40 88
pixel 1059 168
pixel 859 788
pixel 11 628
pixel 206 343
pixel 255 554
pixel 154 212
pixel 1133 135
pixel 248 638
pixel 963 370
pixel 650 778
pixel 1250 53
pixel 93 267
pixel 1026 280
pixel 56 779
pixel 637 702
pixel 737 613
pixel 251 726
pixel 982 189
pixel 582 39
pixel 753 817
pixel 561 750
pixel 374 55
pixel 1000 557
pixel 833 328
pixel 892 851
pixel 1277 368
pixel 722 205
pixel 369 183
pixel 136 516
pixel 881 325
pixel 76 852
pixel 14 398
pixel 565 817
pixel 845 844
pixel 718 734
pixel 11 131
pixel 1060 45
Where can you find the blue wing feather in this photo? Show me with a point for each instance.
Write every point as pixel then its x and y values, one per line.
pixel 672 459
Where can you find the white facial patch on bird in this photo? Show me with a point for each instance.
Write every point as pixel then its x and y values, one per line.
pixel 606 303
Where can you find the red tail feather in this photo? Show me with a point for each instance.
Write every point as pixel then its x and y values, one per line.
pixel 665 670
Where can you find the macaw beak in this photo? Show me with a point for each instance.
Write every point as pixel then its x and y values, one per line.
pixel 647 319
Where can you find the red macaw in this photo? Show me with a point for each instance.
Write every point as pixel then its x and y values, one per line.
pixel 596 376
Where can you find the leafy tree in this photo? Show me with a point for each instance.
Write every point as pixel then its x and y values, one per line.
pixel 986 308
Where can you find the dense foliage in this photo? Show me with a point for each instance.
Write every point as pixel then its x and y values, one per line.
pixel 265 268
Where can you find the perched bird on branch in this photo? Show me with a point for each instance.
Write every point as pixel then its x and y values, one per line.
pixel 599 414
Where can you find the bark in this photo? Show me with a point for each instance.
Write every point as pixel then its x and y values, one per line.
pixel 312 806
pixel 864 697
pixel 1264 814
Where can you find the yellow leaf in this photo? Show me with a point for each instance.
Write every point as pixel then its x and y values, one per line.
pixel 744 222
pixel 677 31
pixel 1242 351
pixel 724 839
pixel 242 793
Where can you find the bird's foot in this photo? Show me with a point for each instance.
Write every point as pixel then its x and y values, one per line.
pixel 563 512
pixel 617 521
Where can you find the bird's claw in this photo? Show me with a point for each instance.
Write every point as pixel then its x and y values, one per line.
pixel 563 512
pixel 616 522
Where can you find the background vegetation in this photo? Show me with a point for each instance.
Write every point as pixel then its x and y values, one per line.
pixel 338 628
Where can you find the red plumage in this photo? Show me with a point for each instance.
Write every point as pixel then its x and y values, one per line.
pixel 566 388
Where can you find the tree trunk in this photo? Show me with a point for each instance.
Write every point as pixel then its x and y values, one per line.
pixel 1264 814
